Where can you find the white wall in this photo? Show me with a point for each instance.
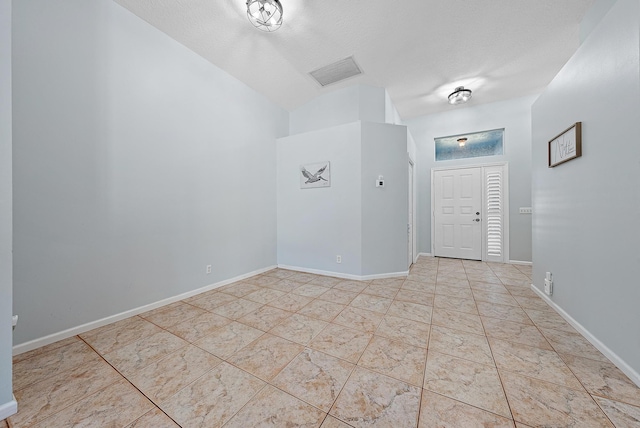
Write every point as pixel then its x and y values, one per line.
pixel 412 148
pixel 384 209
pixel 593 17
pixel 353 219
pixel 363 224
pixel 6 286
pixel 372 104
pixel 315 225
pixel 338 107
pixel 136 164
pixel 513 115
pixel 391 114
pixel 586 211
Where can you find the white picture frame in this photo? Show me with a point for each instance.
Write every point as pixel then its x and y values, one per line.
pixel 315 175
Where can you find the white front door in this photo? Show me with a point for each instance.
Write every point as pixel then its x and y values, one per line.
pixel 457 213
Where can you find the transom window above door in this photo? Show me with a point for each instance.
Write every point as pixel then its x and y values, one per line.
pixel 473 145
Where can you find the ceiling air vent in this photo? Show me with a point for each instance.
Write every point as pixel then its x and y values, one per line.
pixel 336 72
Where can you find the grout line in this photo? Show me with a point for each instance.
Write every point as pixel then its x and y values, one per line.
pixel 504 391
pixel 65 371
pixel 131 383
pixel 439 269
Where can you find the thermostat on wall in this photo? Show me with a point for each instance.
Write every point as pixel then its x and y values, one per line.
pixel 380 181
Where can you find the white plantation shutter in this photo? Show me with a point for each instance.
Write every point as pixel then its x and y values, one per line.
pixel 494 219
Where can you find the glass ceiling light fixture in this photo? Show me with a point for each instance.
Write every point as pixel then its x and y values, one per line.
pixel 460 95
pixel 266 15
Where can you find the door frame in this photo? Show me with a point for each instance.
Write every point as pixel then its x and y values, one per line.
pixel 505 192
pixel 412 213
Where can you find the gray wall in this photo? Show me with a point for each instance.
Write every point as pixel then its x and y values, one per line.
pixel 373 105
pixel 339 107
pixel 593 17
pixel 391 114
pixel 352 218
pixel 5 203
pixel 513 115
pixel 384 209
pixel 136 164
pixel 315 225
pixel 586 211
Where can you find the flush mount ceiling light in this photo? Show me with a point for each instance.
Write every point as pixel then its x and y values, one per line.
pixel 266 15
pixel 460 95
pixel 462 141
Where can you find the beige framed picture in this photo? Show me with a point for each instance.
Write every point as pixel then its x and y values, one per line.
pixel 566 146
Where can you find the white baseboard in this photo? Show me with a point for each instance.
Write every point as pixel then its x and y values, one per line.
pixel 518 262
pixel 8 409
pixel 42 341
pixel 404 273
pixel 615 359
pixel 423 255
pixel 345 275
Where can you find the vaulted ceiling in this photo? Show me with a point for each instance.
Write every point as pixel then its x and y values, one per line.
pixel 419 50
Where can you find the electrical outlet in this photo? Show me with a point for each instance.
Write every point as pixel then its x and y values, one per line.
pixel 338 259
pixel 548 287
pixel 548 284
pixel 208 269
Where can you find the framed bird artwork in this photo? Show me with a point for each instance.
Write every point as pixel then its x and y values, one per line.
pixel 313 175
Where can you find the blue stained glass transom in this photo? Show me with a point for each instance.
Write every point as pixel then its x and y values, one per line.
pixel 477 144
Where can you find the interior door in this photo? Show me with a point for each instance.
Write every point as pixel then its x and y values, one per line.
pixel 410 221
pixel 457 213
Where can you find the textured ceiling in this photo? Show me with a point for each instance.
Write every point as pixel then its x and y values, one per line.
pixel 419 50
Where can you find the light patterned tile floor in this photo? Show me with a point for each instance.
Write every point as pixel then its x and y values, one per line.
pixel 456 344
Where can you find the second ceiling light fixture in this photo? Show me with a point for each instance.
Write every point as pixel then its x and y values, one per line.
pixel 460 95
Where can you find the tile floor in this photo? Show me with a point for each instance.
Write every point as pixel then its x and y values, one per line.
pixel 455 344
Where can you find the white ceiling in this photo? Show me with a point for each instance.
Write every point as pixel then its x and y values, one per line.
pixel 419 50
